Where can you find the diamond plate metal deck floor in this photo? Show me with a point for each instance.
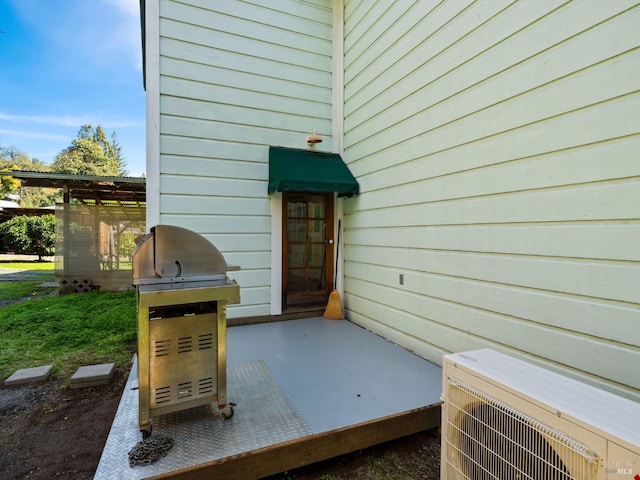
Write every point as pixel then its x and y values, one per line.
pixel 201 435
pixel 305 390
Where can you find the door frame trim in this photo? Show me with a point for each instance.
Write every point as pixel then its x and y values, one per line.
pixel 276 253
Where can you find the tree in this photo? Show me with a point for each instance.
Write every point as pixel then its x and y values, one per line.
pixel 41 231
pixel 8 184
pixel 14 236
pixel 30 197
pixel 36 197
pixel 91 154
pixel 13 159
pixel 30 235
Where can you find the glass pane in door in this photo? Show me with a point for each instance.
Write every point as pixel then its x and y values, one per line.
pixel 306 249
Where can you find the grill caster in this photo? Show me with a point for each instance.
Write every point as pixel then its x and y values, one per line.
pixel 227 411
pixel 146 430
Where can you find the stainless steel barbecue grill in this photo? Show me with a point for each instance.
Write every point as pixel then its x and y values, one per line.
pixel 183 291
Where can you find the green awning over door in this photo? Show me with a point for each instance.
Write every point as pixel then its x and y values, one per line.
pixel 293 170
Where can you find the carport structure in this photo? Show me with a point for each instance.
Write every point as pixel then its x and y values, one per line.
pixel 95 226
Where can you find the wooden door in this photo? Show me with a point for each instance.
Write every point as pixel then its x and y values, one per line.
pixel 308 247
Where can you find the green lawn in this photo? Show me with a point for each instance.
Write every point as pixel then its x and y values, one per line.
pixel 66 331
pixel 19 290
pixel 39 271
pixel 50 266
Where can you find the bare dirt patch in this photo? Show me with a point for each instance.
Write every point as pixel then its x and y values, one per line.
pixel 49 431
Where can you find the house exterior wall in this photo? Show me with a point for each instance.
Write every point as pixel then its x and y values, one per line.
pixel 234 78
pixel 497 144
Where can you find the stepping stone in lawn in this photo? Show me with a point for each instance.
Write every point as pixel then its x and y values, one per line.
pixel 29 375
pixel 93 375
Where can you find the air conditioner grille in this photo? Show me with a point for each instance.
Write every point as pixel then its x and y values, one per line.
pixel 488 439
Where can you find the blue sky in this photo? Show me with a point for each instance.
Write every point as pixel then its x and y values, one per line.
pixel 65 63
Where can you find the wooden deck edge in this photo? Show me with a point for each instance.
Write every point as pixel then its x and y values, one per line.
pixel 313 448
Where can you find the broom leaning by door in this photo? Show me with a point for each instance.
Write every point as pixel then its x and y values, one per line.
pixel 334 305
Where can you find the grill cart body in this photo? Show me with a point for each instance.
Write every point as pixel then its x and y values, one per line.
pixel 182 297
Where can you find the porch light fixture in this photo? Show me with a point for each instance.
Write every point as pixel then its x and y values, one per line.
pixel 313 138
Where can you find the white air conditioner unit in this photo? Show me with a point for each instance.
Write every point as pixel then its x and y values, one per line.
pixel 505 419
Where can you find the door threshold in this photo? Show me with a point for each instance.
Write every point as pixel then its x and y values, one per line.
pixel 290 314
pixel 315 310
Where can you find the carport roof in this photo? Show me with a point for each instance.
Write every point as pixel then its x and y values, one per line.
pixel 88 189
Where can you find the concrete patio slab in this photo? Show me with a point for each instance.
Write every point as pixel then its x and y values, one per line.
pixel 29 375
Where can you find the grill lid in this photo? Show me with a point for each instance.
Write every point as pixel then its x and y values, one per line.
pixel 174 254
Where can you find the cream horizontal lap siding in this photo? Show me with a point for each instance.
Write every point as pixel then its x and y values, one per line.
pixel 497 146
pixel 234 78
